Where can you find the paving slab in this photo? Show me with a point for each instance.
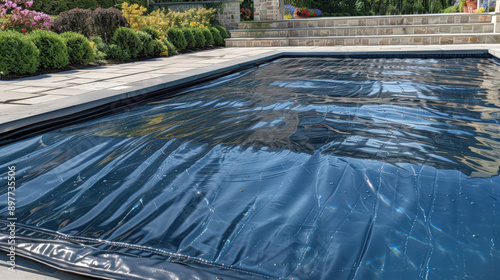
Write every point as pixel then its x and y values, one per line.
pixel 7 96
pixel 31 89
pixel 38 99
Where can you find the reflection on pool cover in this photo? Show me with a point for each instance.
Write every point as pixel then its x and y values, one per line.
pixel 300 169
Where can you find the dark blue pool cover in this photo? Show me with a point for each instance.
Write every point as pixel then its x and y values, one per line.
pixel 299 169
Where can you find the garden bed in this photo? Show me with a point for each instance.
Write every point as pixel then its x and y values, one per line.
pixel 82 38
pixel 90 65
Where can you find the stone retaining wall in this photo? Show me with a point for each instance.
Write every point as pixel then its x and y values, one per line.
pixel 365 30
pixel 370 21
pixel 350 41
pixel 230 16
pixel 266 10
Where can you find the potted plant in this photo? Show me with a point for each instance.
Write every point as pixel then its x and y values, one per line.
pixel 302 13
pixel 245 14
pixel 471 6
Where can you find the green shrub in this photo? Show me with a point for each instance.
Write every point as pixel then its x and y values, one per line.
pixel 115 52
pixel 188 34
pixel 176 37
pixel 451 9
pixel 53 50
pixel 100 48
pixel 217 37
pixel 106 21
pixel 157 48
pixel 127 40
pixel 79 49
pixel 153 32
pixel 171 48
pixel 147 45
pixel 97 40
pixel 18 54
pixel 222 31
pixel 199 38
pixel 208 36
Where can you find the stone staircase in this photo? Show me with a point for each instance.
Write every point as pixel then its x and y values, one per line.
pixel 374 30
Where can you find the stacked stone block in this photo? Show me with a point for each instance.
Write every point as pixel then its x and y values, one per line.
pixel 230 15
pixel 266 10
pixel 375 30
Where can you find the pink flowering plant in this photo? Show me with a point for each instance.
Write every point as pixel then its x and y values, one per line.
pixel 21 19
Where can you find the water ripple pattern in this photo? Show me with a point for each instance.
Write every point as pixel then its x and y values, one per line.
pixel 304 168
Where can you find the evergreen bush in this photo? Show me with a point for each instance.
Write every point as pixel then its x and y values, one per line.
pixel 223 31
pixel 147 45
pixel 188 34
pixel 208 37
pixel 18 54
pixel 176 37
pixel 99 47
pixel 217 37
pixel 171 48
pixel 115 52
pixel 199 38
pixel 53 50
pixel 153 32
pixel 127 40
pixel 79 49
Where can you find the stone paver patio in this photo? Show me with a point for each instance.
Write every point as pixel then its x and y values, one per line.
pixel 35 99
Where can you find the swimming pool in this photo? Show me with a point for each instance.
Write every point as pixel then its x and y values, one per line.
pixel 303 168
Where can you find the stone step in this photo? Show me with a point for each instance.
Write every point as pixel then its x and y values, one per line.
pixel 414 39
pixel 366 30
pixel 369 21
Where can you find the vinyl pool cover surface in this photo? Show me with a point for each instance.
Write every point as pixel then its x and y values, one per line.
pixel 304 168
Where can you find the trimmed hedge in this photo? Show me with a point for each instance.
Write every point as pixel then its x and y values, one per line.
pixel 208 37
pixel 115 52
pixel 18 54
pixel 127 40
pixel 53 50
pixel 188 34
pixel 217 37
pixel 100 48
pixel 153 32
pixel 157 48
pixel 79 49
pixel 223 31
pixel 199 38
pixel 171 48
pixel 176 37
pixel 147 45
